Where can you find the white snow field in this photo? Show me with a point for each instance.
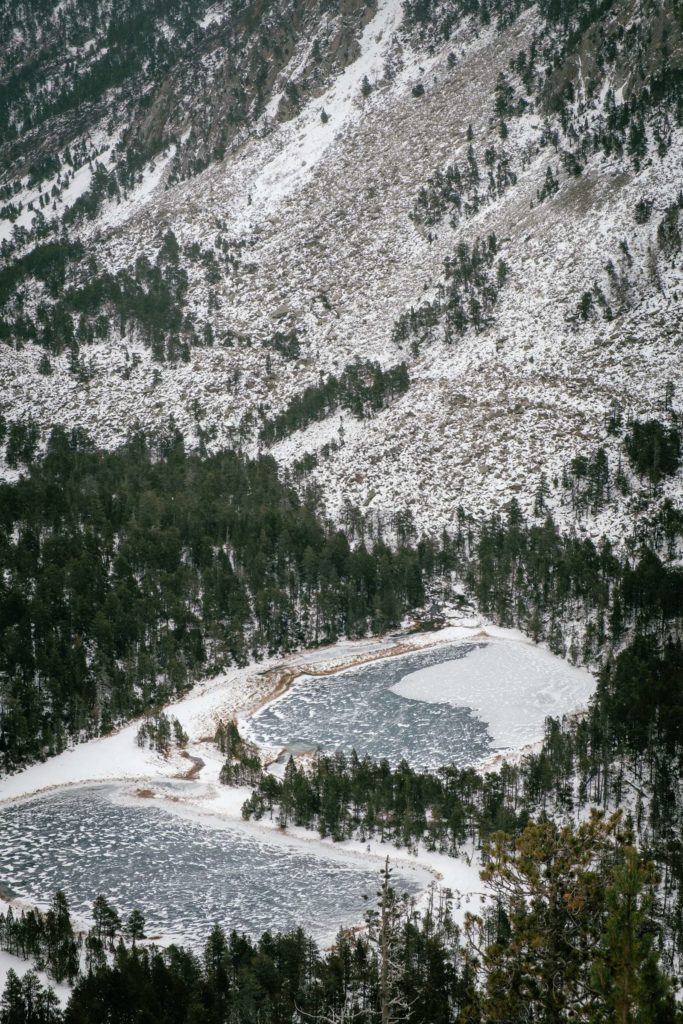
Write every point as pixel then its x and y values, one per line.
pixel 22 967
pixel 511 686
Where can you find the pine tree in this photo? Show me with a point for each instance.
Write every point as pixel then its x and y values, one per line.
pixel 549 885
pixel 12 1004
pixel 626 973
pixel 135 925
pixel 384 933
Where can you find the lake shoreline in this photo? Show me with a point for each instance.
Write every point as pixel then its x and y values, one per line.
pixel 146 778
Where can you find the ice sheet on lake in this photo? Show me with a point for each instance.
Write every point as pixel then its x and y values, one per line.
pixel 183 875
pixel 358 709
pixel 466 699
pixel 513 687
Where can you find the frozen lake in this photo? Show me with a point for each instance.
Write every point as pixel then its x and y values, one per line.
pixel 183 875
pixel 447 705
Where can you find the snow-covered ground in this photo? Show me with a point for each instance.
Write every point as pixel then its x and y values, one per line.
pixel 118 212
pixel 306 140
pixel 141 780
pixel 21 967
pixel 118 756
pixel 330 251
pixel 511 686
pixel 100 146
pixel 323 210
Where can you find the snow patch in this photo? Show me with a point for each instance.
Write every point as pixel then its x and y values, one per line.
pixel 309 138
pixel 513 687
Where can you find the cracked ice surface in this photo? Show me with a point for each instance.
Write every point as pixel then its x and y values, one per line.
pixel 453 705
pixel 358 710
pixel 182 874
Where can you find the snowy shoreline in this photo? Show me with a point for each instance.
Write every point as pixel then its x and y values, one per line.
pixel 143 776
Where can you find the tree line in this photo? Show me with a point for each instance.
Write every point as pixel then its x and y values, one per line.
pixel 567 933
pixel 127 574
pixel 362 388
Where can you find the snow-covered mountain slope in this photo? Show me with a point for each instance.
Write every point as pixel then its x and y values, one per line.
pixel 309 229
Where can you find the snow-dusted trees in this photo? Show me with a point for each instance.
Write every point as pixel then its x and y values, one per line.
pixel 569 934
pixel 26 1001
pixel 242 762
pixel 363 388
pixel 194 562
pixel 466 296
pixel 653 449
pixel 47 938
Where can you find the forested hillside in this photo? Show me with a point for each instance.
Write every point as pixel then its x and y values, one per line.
pixel 128 575
pixel 220 213
pixel 321 320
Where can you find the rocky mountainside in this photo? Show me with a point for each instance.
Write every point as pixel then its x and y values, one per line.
pixel 427 253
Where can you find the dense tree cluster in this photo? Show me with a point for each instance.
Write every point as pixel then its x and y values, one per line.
pixel 48 939
pixel 126 574
pixel 345 797
pixel 19 439
pixel 669 229
pixel 653 449
pixel 628 749
pixel 47 263
pixel 573 933
pixel 362 389
pixel 243 765
pixel 465 298
pixel 460 193
pixel 588 479
pixel 535 578
pixel 286 343
pixel 51 941
pixel 26 1001
pixel 82 302
pixel 159 732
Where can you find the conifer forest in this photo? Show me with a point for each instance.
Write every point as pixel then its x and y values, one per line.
pixel 341 512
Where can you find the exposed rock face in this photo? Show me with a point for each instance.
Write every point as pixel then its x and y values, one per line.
pixel 205 72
